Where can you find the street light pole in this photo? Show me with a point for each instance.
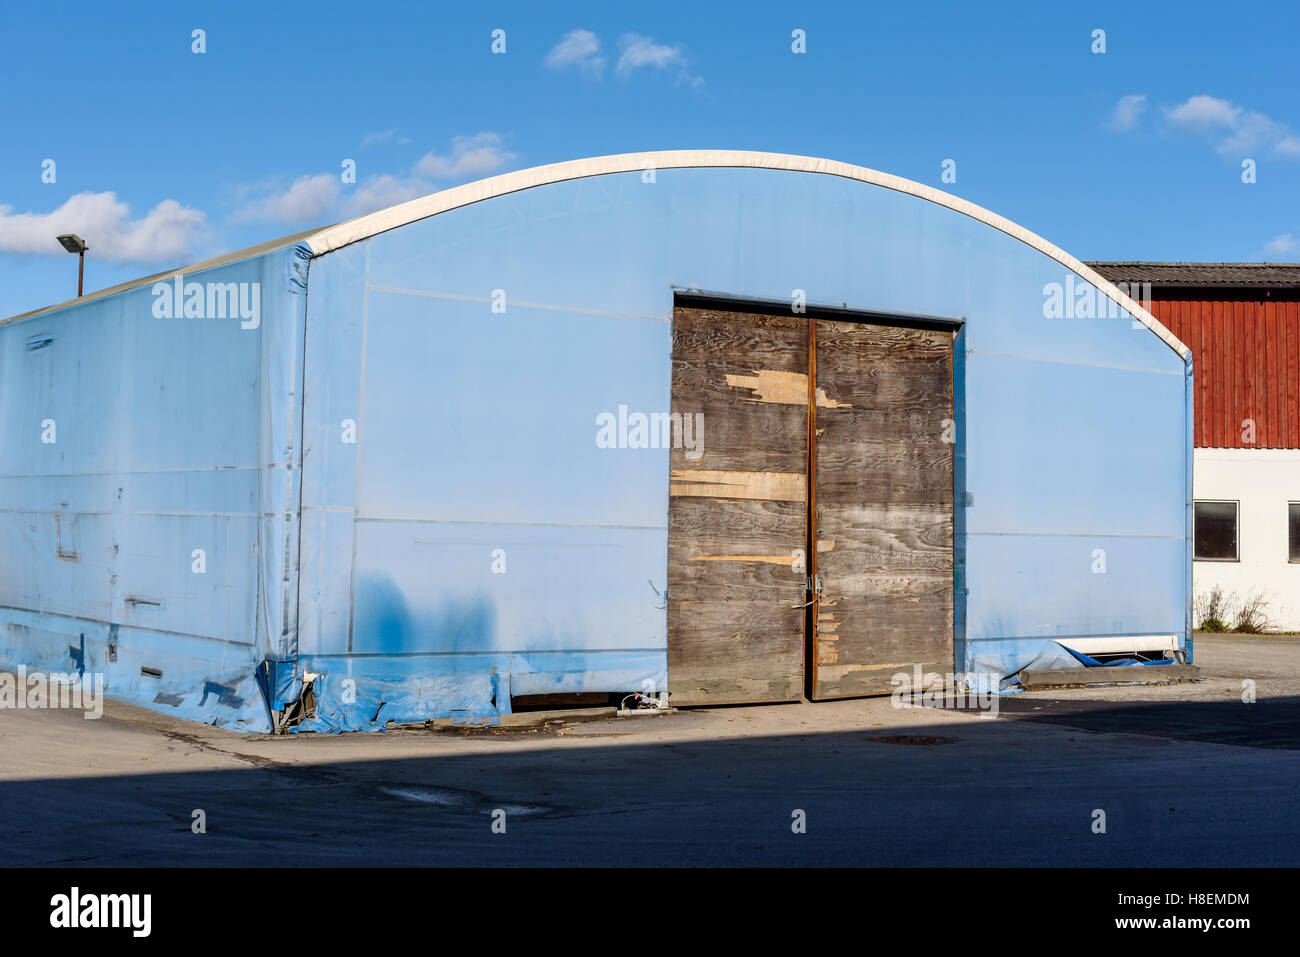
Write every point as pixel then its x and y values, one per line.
pixel 75 244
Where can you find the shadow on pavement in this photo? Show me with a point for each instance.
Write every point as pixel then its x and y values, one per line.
pixel 969 792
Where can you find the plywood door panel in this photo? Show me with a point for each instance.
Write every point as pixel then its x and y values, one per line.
pixel 738 513
pixel 883 504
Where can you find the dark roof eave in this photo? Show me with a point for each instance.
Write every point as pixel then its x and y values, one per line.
pixel 1251 277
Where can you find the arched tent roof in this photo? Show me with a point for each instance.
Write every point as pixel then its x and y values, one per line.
pixel 330 238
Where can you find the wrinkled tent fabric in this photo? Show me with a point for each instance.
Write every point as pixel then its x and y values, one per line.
pixel 365 567
pixel 170 436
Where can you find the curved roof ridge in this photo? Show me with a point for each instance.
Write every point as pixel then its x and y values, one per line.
pixel 330 238
pixel 372 224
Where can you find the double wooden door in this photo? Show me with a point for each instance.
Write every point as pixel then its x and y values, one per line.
pixel 810 524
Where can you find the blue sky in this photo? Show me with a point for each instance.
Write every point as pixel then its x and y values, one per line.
pixel 163 156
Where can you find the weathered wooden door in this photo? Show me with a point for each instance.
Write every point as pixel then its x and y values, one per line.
pixel 754 519
pixel 737 514
pixel 882 501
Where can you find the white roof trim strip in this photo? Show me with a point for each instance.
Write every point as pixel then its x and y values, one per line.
pixel 363 227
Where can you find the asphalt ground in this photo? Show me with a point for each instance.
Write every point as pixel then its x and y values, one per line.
pixel 1185 775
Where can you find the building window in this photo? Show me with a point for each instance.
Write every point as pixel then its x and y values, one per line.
pixel 1214 533
pixel 1293 531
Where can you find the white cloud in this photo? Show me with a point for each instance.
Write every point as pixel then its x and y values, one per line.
pixel 1127 112
pixel 640 51
pixel 321 198
pixel 308 199
pixel 1252 132
pixel 1283 245
pixel 470 156
pixel 380 192
pixel 1233 130
pixel 167 232
pixel 1202 113
pixel 386 136
pixel 580 49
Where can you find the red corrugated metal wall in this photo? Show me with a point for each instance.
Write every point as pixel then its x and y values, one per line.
pixel 1246 360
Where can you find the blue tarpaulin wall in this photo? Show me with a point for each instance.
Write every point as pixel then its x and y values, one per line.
pixel 132 447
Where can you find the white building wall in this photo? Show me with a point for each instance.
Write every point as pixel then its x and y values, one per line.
pixel 1263 481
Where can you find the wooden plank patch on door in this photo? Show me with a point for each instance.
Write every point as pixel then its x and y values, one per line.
pixel 737 513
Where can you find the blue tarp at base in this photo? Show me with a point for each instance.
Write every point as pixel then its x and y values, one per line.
pixel 1060 657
